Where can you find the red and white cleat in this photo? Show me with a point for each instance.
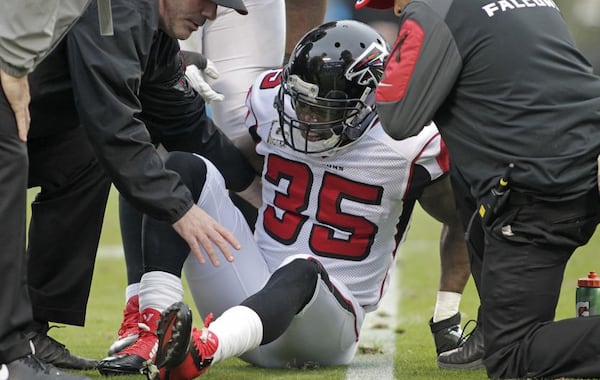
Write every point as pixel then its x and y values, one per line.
pixel 133 359
pixel 182 355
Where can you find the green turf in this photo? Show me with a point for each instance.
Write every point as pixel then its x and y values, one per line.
pixel 417 274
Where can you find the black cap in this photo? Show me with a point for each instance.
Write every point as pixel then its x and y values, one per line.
pixel 238 5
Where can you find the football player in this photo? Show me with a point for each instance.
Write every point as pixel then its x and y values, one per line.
pixel 337 198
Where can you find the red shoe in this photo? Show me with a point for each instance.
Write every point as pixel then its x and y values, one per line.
pixel 133 359
pixel 129 331
pixel 179 357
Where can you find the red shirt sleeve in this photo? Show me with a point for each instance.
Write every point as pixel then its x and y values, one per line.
pixel 420 72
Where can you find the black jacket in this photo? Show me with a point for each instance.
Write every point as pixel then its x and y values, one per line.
pixel 127 90
pixel 504 82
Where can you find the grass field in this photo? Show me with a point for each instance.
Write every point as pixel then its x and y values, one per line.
pixel 416 275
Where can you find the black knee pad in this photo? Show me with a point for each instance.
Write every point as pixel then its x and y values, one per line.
pixel 191 168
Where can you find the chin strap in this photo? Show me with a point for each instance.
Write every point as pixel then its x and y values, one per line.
pixel 364 119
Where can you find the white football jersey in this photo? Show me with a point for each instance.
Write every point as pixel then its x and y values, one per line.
pixel 350 209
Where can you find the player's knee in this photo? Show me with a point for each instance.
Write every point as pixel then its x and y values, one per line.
pixel 191 168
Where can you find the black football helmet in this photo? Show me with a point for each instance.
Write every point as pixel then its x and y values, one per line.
pixel 327 98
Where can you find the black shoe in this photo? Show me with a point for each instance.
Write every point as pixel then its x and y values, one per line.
pixel 447 333
pixel 50 351
pixel 468 356
pixel 122 365
pixel 32 368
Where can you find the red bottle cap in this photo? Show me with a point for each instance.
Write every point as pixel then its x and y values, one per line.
pixel 591 281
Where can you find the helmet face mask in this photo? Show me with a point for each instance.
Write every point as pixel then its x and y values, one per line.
pixel 327 88
pixel 317 123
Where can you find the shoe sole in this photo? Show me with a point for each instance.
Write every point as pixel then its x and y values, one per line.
pixel 76 367
pixel 118 372
pixel 477 364
pixel 174 334
pixel 121 366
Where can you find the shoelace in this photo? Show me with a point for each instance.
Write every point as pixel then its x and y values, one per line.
pixel 464 336
pixel 207 321
pixel 36 363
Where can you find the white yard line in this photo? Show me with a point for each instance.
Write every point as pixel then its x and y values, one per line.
pixel 111 251
pixel 378 332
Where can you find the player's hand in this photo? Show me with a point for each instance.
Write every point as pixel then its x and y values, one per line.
pixel 17 93
pixel 197 228
pixel 197 81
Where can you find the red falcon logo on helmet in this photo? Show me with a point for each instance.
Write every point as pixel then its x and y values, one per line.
pixel 367 69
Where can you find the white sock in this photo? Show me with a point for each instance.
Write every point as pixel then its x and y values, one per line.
pixel 132 290
pixel 159 290
pixel 446 305
pixel 239 329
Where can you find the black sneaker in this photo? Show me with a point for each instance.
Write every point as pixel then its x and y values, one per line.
pixel 51 351
pixel 468 356
pixel 447 333
pixel 32 368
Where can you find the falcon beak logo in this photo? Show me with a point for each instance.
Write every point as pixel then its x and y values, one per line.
pixel 367 69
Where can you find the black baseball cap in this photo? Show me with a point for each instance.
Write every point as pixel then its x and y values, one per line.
pixel 238 5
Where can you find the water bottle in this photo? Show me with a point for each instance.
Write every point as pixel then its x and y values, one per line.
pixel 587 296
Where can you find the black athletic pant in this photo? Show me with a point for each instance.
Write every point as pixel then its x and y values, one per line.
pixel 518 260
pixel 15 312
pixel 64 231
pixel 66 221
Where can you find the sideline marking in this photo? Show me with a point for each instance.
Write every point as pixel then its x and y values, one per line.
pixel 111 251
